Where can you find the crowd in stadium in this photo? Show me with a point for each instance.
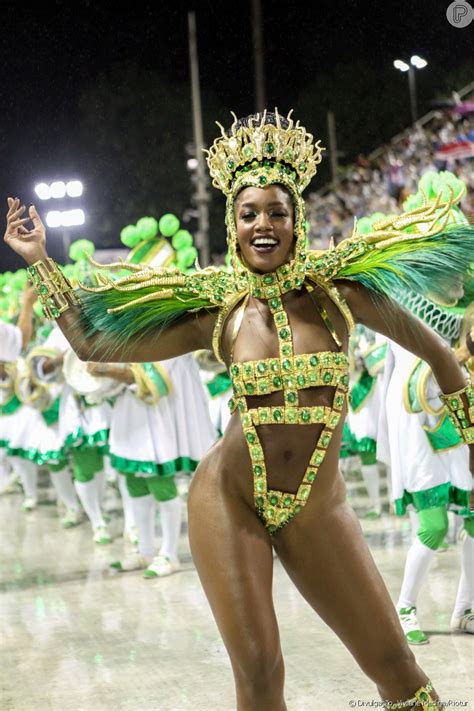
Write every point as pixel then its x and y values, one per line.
pixel 381 183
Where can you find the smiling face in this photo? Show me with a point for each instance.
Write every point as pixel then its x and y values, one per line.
pixel 264 219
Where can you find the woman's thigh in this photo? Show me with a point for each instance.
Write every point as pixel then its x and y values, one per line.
pixel 327 558
pixel 233 556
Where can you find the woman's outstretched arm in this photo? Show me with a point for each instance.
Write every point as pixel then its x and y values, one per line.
pixel 381 314
pixel 191 332
pixel 385 316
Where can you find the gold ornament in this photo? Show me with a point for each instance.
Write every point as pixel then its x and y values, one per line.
pixel 250 146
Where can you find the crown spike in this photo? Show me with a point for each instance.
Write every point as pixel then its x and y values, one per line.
pixel 277 118
pixel 289 119
pixel 224 135
pixel 236 120
pixel 264 116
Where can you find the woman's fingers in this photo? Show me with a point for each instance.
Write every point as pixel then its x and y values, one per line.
pixel 17 223
pixel 36 218
pixel 12 206
pixel 18 213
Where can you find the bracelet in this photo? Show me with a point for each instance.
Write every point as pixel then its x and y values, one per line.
pixel 463 421
pixel 54 290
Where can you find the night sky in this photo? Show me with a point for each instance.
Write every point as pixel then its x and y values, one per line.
pixel 51 53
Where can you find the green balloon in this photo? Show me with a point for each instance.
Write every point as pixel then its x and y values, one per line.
pixel 69 270
pixel 168 224
pixel 147 227
pixel 186 257
pixel 182 239
pixel 130 236
pixel 80 249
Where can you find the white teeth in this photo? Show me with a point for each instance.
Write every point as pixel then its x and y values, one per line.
pixel 260 241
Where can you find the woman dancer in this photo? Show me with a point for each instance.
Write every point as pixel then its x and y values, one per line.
pixel 280 320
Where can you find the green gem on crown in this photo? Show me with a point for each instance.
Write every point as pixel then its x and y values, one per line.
pixel 262 180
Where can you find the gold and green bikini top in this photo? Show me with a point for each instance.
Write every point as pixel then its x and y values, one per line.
pixel 289 374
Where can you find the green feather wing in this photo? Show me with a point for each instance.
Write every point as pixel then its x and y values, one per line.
pixel 148 300
pixel 422 250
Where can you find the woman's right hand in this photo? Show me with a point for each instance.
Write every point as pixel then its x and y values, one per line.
pixel 29 244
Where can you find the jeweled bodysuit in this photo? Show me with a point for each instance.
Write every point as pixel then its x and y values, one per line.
pixel 289 373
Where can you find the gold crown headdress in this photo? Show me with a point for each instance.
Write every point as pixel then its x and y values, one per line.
pixel 258 155
pixel 262 144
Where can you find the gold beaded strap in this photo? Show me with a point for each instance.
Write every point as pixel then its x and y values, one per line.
pixel 462 419
pixel 291 373
pixel 54 289
pixel 421 700
pixel 277 508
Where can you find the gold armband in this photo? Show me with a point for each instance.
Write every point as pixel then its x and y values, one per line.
pixel 462 419
pixel 54 289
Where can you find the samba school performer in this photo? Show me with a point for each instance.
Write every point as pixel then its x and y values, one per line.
pixel 160 423
pixel 280 321
pixel 363 414
pixel 13 339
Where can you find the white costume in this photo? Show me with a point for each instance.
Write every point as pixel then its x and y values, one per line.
pixel 10 342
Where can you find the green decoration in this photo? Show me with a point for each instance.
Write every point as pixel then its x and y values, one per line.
pixel 130 236
pixel 186 257
pixel 182 239
pixel 147 228
pixel 80 249
pixel 168 224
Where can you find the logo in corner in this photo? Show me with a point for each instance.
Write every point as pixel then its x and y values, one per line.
pixel 460 14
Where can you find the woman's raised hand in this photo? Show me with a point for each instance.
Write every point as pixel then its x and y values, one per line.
pixel 29 244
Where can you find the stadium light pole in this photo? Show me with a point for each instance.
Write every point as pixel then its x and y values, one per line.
pixel 416 62
pixel 60 190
